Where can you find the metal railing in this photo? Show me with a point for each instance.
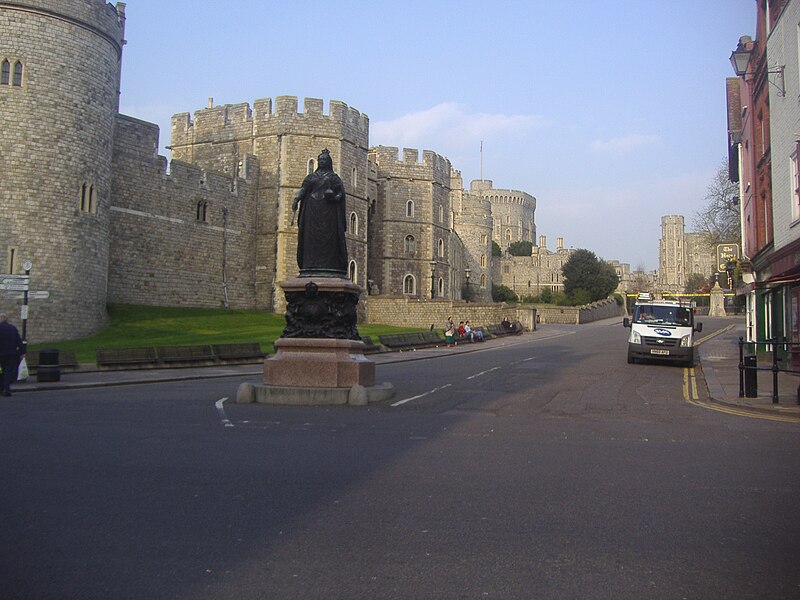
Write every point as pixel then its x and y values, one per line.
pixel 781 354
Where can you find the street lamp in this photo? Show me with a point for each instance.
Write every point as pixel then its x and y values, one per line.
pixel 467 273
pixel 433 279
pixel 740 59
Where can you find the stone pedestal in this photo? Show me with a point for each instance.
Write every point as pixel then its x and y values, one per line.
pixel 717 302
pixel 317 362
pixel 320 358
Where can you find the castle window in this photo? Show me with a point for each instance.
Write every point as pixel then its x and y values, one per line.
pixel 440 288
pixel 311 167
pixel 409 285
pixel 353 223
pixel 441 248
pixel 409 244
pixel 355 178
pixel 441 214
pixel 484 238
pixel 17 74
pixel 87 200
pixel 506 269
pixel 202 211
pixel 483 281
pixel 483 260
pixel 12 252
pixel 508 235
pixel 410 208
pixel 352 271
pixel 5 73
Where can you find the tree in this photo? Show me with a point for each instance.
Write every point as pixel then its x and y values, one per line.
pixel 520 248
pixel 697 284
pixel 503 293
pixel 496 250
pixel 584 271
pixel 719 218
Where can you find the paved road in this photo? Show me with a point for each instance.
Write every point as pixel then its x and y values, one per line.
pixel 544 468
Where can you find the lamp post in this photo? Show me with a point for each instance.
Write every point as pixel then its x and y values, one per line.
pixel 467 273
pixel 433 279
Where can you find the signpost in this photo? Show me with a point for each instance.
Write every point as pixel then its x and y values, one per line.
pixel 21 283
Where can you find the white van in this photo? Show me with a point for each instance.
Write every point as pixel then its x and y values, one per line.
pixel 662 330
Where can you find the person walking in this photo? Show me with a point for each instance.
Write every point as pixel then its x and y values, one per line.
pixel 11 351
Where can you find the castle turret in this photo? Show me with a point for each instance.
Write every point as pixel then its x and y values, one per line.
pixel 59 105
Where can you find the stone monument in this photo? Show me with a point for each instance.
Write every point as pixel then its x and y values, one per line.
pixel 319 357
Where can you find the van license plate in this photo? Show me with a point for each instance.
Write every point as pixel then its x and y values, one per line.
pixel 659 352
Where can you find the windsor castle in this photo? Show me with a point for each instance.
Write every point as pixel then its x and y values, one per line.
pixel 104 218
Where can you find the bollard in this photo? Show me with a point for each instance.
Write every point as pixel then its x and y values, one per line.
pixel 48 369
pixel 750 377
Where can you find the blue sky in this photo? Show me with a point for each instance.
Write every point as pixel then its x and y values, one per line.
pixel 611 113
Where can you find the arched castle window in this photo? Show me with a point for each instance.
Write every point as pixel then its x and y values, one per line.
pixel 483 281
pixel 441 248
pixel 88 202
pixel 355 178
pixel 5 73
pixel 409 285
pixel 410 208
pixel 17 74
pixel 202 211
pixel 353 223
pixel 409 244
pixel 483 260
pixel 440 288
pixel 352 271
pixel 311 167
pixel 508 235
pixel 484 238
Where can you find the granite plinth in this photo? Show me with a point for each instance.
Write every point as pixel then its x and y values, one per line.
pixel 319 362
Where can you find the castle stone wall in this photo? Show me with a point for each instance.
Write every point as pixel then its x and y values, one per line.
pixel 173 234
pixel 57 131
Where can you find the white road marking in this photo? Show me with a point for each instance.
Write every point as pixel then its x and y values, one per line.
pixel 221 410
pixel 428 393
pixel 483 373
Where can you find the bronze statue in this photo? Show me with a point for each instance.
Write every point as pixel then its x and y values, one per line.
pixel 321 245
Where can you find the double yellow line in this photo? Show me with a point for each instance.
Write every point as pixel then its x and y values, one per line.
pixel 691 396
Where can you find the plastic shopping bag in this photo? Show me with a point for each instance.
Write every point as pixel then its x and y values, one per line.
pixel 22 372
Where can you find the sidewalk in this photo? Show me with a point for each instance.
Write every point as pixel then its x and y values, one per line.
pixel 719 361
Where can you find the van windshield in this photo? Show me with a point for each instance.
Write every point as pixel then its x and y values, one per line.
pixel 663 315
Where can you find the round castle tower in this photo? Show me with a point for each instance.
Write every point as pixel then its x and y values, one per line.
pixel 513 213
pixel 59 87
pixel 473 223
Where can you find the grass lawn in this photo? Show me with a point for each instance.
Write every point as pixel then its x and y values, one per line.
pixel 137 326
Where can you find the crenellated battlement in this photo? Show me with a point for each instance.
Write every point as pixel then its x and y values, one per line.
pixel 235 121
pixel 433 166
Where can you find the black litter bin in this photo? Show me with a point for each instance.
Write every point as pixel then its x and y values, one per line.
pixel 750 377
pixel 48 366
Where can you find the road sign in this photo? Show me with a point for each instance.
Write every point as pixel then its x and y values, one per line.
pixel 14 287
pixel 38 295
pixel 23 312
pixel 26 279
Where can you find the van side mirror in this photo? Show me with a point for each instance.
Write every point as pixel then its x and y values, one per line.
pixel 698 327
pixel 626 322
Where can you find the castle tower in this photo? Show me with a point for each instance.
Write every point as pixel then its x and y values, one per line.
pixel 671 257
pixel 472 215
pixel 413 224
pixel 287 144
pixel 513 213
pixel 59 105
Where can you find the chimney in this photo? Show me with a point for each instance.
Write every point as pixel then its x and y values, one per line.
pixel 543 242
pixel 210 102
pixel 559 243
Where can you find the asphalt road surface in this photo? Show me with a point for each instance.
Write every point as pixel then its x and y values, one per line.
pixel 543 468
